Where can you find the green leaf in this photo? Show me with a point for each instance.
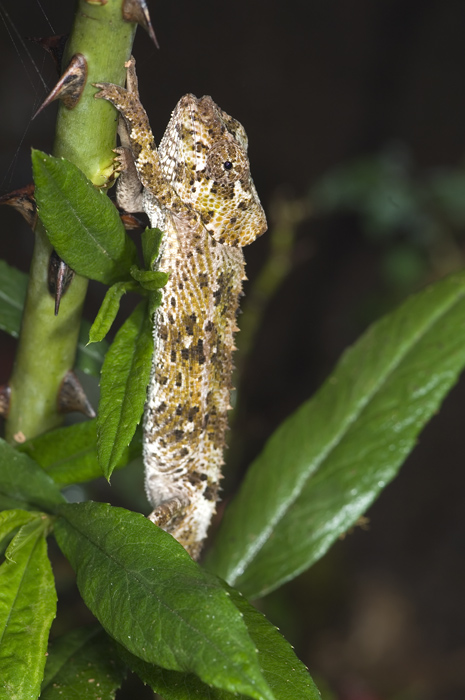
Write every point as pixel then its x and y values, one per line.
pixel 7 503
pixel 24 482
pixel 11 520
pixel 152 598
pixel 27 609
pixel 82 223
pixel 286 675
pixel 90 358
pixel 123 387
pixel 149 279
pixel 40 524
pixel 110 307
pixel 155 299
pixel 327 463
pixel 69 455
pixel 151 241
pixel 13 287
pixel 82 665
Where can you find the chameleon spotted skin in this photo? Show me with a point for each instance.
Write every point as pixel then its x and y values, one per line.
pixel 198 190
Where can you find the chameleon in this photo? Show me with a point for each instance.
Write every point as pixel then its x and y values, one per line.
pixel 197 189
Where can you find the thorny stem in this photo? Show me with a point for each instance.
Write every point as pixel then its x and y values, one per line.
pixel 85 135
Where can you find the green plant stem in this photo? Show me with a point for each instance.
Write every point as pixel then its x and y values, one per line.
pixel 85 135
pixel 46 350
pixel 286 215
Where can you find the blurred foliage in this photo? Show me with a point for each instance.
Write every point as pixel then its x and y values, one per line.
pixel 417 217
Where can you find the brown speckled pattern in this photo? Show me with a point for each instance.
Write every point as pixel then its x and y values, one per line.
pixel 197 189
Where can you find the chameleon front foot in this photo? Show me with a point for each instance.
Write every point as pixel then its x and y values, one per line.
pixel 136 133
pixel 126 102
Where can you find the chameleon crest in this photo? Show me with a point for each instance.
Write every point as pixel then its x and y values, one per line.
pixel 198 190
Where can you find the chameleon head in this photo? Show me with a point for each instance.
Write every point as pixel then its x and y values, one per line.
pixel 204 155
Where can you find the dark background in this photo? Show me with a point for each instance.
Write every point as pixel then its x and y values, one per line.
pixel 317 85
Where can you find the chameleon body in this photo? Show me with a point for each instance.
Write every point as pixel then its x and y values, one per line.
pixel 197 189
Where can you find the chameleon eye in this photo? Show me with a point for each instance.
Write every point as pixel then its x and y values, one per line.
pixel 226 161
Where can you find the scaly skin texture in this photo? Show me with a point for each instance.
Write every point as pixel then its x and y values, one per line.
pixel 197 189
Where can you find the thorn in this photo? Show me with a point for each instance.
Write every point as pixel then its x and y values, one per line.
pixel 54 45
pixel 137 11
pixel 60 276
pixel 70 86
pixel 23 201
pixel 5 392
pixel 71 397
